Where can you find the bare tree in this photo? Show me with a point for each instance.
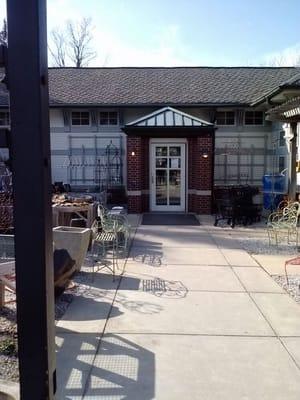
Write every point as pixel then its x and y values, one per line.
pixel 79 42
pixel 3 33
pixel 73 45
pixel 58 48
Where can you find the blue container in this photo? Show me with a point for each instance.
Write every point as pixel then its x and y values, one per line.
pixel 271 201
pixel 275 184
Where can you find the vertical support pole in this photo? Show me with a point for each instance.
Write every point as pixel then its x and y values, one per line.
pixel 30 145
pixel 239 160
pixel 71 160
pixel 265 153
pixel 293 157
pixel 225 164
pixel 83 164
pixel 252 163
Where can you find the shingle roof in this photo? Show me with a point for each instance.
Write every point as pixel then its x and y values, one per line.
pixel 163 86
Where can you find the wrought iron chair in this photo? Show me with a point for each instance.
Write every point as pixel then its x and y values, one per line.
pixel 284 223
pixel 118 224
pixel 104 240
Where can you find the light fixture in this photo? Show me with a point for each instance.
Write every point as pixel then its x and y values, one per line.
pixel 204 155
pixel 133 153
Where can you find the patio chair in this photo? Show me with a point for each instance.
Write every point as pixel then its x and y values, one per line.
pixel 104 242
pixel 284 223
pixel 117 223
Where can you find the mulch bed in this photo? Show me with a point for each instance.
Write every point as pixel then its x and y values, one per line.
pixel 8 325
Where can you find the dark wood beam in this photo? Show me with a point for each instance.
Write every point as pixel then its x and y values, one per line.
pixel 30 153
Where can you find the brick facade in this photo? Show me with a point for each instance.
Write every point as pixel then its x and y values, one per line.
pixel 138 174
pixel 200 173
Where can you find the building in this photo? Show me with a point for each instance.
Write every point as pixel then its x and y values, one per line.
pixel 164 134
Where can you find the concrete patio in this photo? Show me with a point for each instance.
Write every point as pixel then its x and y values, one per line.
pixel 194 317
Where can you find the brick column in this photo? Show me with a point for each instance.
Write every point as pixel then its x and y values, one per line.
pixel 200 174
pixel 134 175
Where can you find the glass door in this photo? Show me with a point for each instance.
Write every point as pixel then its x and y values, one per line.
pixel 168 177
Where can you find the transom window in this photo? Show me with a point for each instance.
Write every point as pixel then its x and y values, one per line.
pixel 4 118
pixel 108 118
pixel 225 118
pixel 254 118
pixel 80 118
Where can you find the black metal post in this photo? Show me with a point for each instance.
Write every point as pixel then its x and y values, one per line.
pixel 30 152
pixel 293 159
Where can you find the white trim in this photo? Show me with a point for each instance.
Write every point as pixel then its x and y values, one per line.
pixel 200 192
pixel 134 192
pixel 183 187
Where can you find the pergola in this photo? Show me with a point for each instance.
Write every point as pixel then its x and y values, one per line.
pixel 289 112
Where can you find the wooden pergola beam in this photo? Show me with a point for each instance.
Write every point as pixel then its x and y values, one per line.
pixel 30 154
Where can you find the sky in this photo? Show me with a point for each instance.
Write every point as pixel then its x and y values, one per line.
pixel 185 33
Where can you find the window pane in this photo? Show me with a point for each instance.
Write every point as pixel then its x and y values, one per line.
pixel 230 118
pixel 254 118
pixel 108 118
pixel 161 187
pixel 161 162
pixel 161 151
pixel 174 162
pixel 220 118
pixel 281 163
pixel 225 118
pixel 175 151
pixel 174 187
pixel 80 118
pixel 281 138
pixel 75 121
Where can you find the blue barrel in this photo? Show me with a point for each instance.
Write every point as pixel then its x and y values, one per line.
pixel 274 187
pixel 274 183
pixel 271 201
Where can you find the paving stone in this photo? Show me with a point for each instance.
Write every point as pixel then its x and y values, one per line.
pixel 257 280
pixel 175 367
pixel 191 277
pixel 281 311
pixel 211 313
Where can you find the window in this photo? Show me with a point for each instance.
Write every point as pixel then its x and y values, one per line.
pixel 281 163
pixel 254 118
pixel 4 118
pixel 80 118
pixel 225 118
pixel 108 118
pixel 282 138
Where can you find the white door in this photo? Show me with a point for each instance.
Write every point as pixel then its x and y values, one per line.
pixel 167 176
